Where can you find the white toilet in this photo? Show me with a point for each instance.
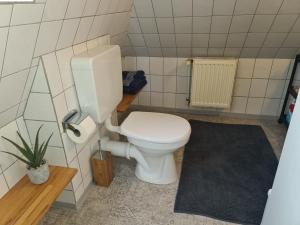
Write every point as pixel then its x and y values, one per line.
pixel 152 137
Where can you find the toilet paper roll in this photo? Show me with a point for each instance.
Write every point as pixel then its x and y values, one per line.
pixel 84 130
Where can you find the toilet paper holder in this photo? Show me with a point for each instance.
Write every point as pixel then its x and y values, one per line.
pixel 73 117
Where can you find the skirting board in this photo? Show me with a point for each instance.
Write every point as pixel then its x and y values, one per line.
pixel 200 112
pixel 78 204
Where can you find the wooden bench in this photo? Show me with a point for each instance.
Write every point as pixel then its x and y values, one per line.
pixel 26 203
pixel 126 102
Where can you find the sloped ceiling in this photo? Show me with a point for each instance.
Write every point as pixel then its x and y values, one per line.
pixel 28 31
pixel 185 28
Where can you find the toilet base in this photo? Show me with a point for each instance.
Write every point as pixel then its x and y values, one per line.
pixel 162 169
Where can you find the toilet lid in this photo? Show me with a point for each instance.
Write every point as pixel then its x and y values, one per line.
pixel 156 127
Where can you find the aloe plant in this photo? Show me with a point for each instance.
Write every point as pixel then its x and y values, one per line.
pixel 33 157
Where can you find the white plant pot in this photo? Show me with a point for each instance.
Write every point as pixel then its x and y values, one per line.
pixel 39 175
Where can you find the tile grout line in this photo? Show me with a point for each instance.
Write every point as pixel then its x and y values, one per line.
pixel 32 57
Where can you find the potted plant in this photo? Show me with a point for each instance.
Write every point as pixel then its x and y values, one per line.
pixel 37 167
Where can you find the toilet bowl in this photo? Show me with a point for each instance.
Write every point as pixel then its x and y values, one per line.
pixel 152 140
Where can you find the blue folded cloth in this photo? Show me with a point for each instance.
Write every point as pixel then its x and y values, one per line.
pixel 133 81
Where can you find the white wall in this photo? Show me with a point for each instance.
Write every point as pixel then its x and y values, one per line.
pixel 11 170
pixel 30 30
pixel 232 28
pixel 56 29
pixel 260 84
pixel 283 205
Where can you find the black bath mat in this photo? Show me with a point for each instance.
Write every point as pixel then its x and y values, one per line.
pixel 227 171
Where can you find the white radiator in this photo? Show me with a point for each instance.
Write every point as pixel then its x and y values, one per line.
pixel 212 82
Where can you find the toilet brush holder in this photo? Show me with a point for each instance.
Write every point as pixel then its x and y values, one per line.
pixel 102 168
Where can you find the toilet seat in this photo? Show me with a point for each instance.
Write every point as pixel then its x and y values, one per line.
pixel 156 127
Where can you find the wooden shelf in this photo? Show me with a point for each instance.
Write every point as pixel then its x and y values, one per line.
pixel 126 102
pixel 26 203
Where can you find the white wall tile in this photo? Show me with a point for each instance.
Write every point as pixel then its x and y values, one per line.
pixel 275 88
pixel 83 29
pixel 283 23
pixel 40 107
pixel 238 105
pixel 52 12
pixel 79 192
pixel 290 6
pixel 67 197
pixel 53 74
pixel 21 109
pixel 262 68
pixel 3 186
pixel 268 6
pixel 241 87
pixel 71 98
pixel 77 180
pixel 270 107
pixel 182 67
pixel 46 131
pixel 182 8
pixel 87 180
pixel 156 65
pixel 26 13
pixel 56 156
pixel 69 147
pixel 5 14
pixel 79 48
pixel 29 82
pixel 143 64
pixel 68 32
pixel 8 115
pixel 170 66
pixel 91 7
pixel 48 37
pixel 148 25
pixel 245 7
pixel 156 83
pixel 19 51
pixel 64 58
pixel 254 105
pixel 14 173
pixel 169 100
pixel 130 63
pixel 183 25
pixel 182 84
pixel 162 8
pixel 202 7
pixel 280 68
pixel 169 84
pixel 143 8
pixel 156 99
pixel 258 87
pixel 181 101
pixel 9 131
pixel 23 129
pixel 144 98
pixel 40 83
pixel 13 87
pixel 223 8
pixel 84 160
pixel 61 109
pixel 220 24
pixel 75 8
pixel 3 38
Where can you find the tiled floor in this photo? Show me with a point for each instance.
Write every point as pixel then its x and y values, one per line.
pixel 129 201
